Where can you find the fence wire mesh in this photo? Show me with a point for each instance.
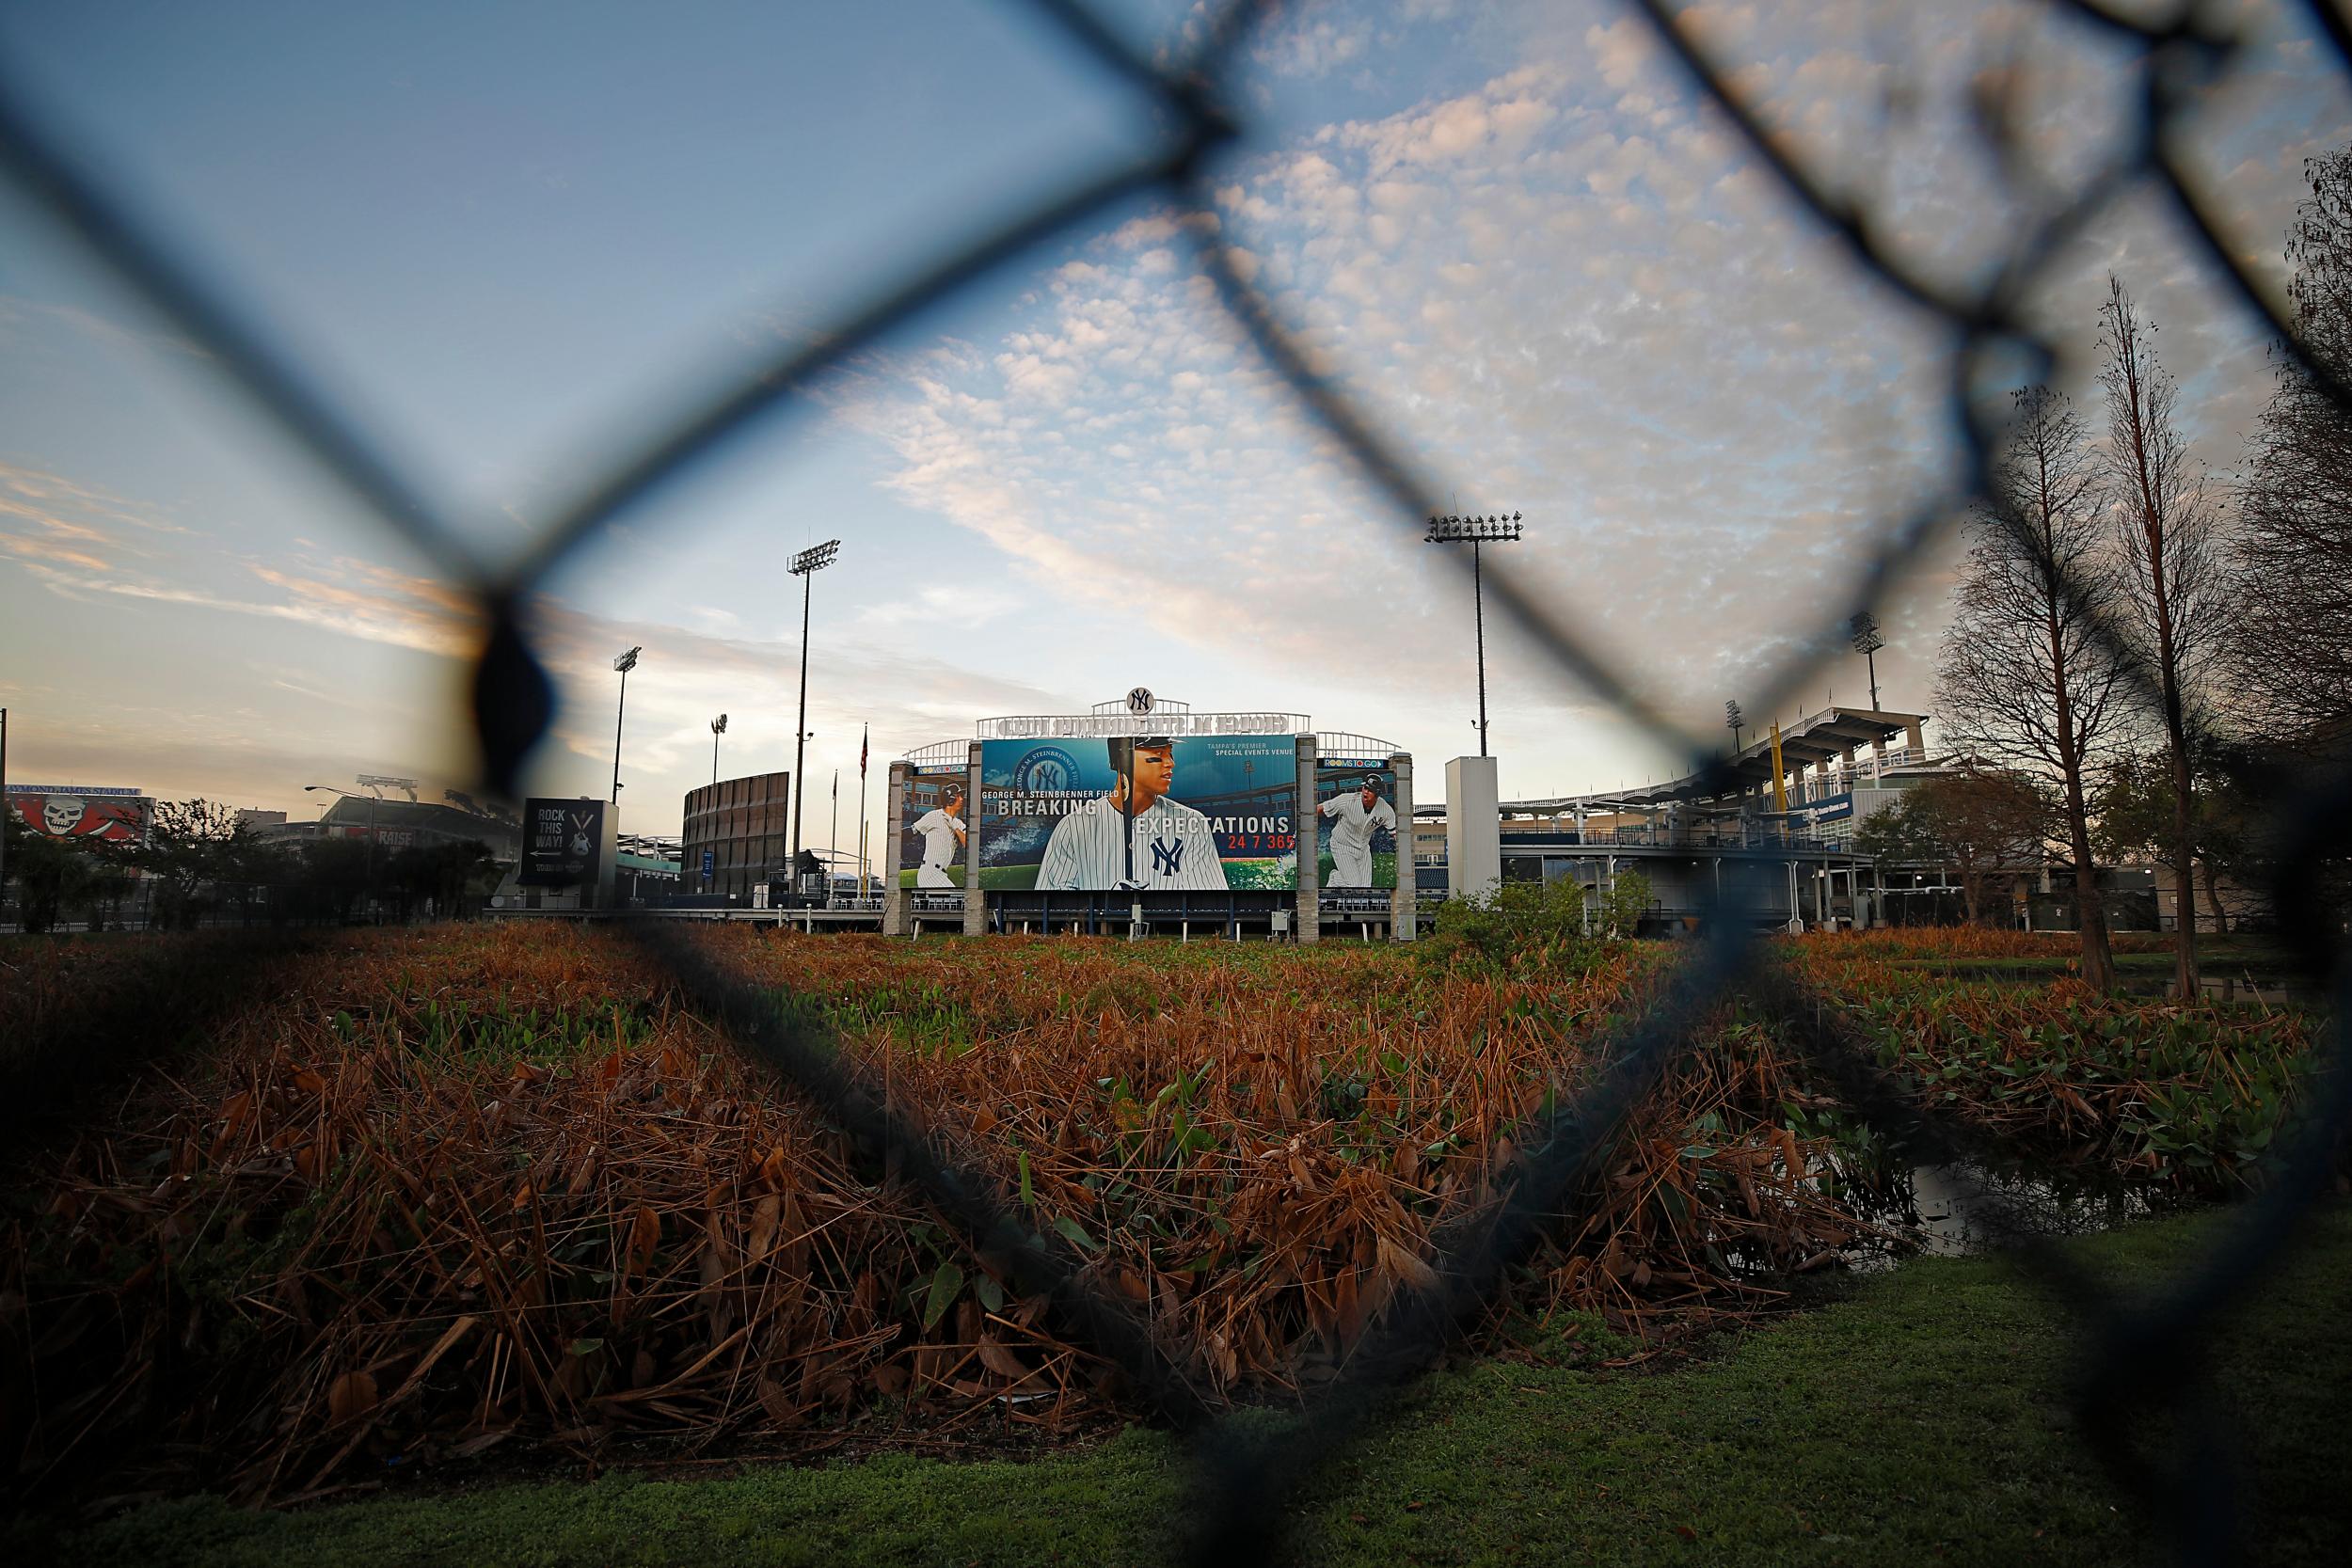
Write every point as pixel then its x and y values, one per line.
pixel 2137 1353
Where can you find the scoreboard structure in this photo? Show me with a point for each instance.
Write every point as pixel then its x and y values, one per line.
pixel 1145 817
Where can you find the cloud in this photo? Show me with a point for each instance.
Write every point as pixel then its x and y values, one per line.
pixel 33 548
pixel 83 542
pixel 91 325
pixel 1570 291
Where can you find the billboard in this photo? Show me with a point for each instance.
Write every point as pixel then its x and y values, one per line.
pixel 1142 814
pixel 563 843
pixel 1355 822
pixel 937 821
pixel 107 815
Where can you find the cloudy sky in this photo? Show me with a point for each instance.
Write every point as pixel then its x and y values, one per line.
pixel 512 238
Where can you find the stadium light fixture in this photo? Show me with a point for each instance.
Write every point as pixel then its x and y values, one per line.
pixel 718 728
pixel 1503 528
pixel 1867 641
pixel 625 663
pixel 805 565
pixel 1734 722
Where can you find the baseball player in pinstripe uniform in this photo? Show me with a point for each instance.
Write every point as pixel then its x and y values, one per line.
pixel 1355 815
pixel 1134 839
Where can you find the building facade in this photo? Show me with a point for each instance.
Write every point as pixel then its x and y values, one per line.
pixel 737 836
pixel 1253 824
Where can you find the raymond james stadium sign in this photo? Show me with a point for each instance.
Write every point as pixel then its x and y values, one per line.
pixel 1066 726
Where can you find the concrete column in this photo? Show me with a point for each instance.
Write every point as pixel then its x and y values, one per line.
pixel 1307 910
pixel 1402 904
pixel 1916 739
pixel 1473 828
pixel 897 901
pixel 975 901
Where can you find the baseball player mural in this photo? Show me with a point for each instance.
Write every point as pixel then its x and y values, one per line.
pixel 936 827
pixel 942 832
pixel 1135 837
pixel 1140 814
pixel 1357 818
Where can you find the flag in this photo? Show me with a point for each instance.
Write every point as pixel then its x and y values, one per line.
pixel 861 750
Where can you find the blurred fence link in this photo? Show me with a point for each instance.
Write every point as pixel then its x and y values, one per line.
pixel 2133 1350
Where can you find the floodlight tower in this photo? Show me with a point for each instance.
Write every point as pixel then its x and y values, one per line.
pixel 805 565
pixel 627 662
pixel 1475 531
pixel 1735 722
pixel 718 728
pixel 1867 641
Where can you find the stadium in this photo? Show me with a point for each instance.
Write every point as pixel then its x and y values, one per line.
pixel 1145 817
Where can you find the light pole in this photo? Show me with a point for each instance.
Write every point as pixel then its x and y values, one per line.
pixel 374 797
pixel 805 565
pixel 1867 641
pixel 627 662
pixel 718 728
pixel 1475 531
pixel 1735 722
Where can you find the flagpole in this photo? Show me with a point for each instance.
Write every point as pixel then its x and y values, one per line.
pixel 861 810
pixel 832 848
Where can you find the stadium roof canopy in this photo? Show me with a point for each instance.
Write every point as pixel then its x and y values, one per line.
pixel 1815 739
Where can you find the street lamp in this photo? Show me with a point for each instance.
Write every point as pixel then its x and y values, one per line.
pixel 627 662
pixel 1475 531
pixel 1867 641
pixel 718 728
pixel 374 784
pixel 805 565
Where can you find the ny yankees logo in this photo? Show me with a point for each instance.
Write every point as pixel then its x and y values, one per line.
pixel 1167 857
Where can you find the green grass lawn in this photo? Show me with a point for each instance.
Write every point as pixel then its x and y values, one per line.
pixel 1920 1420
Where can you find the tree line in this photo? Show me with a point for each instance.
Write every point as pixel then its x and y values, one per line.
pixel 199 861
pixel 2136 642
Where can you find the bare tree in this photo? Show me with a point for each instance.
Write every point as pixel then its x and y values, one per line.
pixel 1980 823
pixel 2169 529
pixel 2291 647
pixel 2024 675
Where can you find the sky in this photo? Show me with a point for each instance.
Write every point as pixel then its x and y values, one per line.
pixel 512 240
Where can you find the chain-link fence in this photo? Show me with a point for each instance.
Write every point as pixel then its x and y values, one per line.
pixel 2136 1349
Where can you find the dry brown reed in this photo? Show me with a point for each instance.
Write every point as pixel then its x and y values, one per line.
pixel 430 1194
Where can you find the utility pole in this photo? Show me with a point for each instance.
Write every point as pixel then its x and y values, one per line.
pixel 1867 641
pixel 1475 531
pixel 627 662
pixel 805 565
